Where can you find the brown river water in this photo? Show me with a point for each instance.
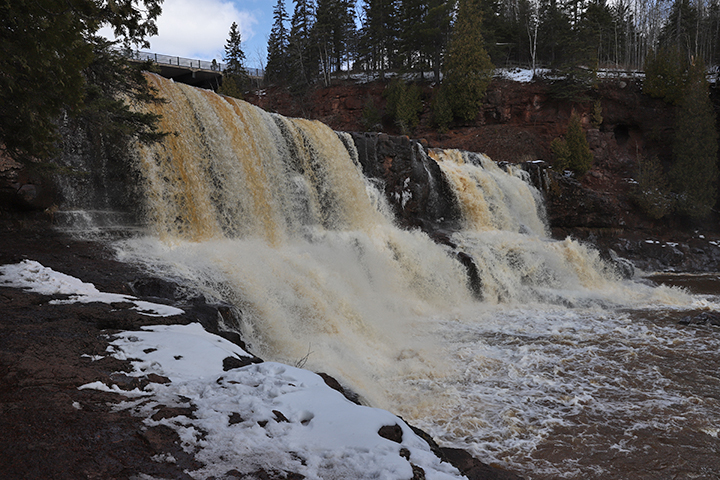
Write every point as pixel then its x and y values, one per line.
pixel 655 413
pixel 562 370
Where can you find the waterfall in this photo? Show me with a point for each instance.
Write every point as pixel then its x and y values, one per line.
pixel 292 224
pixel 275 216
pixel 505 233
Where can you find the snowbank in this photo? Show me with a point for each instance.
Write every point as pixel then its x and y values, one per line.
pixel 266 416
pixel 34 277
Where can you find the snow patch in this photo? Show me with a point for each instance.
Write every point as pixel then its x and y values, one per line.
pixel 34 277
pixel 266 415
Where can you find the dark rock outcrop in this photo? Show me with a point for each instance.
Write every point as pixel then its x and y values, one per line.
pixel 413 184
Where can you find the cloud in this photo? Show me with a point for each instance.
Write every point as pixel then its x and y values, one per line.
pixel 189 28
pixel 192 29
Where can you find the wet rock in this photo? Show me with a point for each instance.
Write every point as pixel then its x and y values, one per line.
pixel 34 197
pixel 235 418
pixel 413 184
pixel 418 472
pixel 704 318
pixel 172 412
pixel 571 205
pixel 393 433
pixel 230 363
pixel 219 319
pixel 625 267
pixel 474 469
pixel 473 274
pixel 155 288
pixel 280 417
pixel 335 385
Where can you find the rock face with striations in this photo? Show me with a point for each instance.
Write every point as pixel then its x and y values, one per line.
pixel 413 184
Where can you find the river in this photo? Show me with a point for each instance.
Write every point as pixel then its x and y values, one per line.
pixel 557 369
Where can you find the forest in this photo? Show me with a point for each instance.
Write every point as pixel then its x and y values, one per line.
pixel 317 39
pixel 56 67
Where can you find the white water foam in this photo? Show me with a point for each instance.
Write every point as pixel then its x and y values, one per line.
pixel 273 215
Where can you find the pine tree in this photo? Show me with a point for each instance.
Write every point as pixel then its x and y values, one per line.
pixel 665 75
pixel 332 33
pixel 468 69
pixel 380 34
pixel 652 191
pixel 235 77
pixel 681 28
pixel 404 104
pixel 302 60
pixel 47 48
pixel 410 34
pixel 436 32
pixel 572 152
pixel 275 71
pixel 554 29
pixel 695 148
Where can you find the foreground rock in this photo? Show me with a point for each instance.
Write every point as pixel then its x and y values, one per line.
pixel 49 428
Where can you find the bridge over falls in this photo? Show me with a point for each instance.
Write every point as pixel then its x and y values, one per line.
pixel 199 73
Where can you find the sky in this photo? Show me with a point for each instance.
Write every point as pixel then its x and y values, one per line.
pixel 199 30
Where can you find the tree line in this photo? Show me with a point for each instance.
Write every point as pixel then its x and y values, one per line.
pixel 320 38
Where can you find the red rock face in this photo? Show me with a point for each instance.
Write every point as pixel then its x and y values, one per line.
pixel 517 123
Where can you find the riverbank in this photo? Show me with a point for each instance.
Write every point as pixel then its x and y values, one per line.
pixel 51 429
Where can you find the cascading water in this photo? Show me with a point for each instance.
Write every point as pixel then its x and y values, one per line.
pixel 275 216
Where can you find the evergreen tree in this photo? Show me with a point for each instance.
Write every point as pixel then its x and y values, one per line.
pixel 302 60
pixel 235 77
pixel 468 69
pixel 404 104
pixel 652 191
pixel 380 34
pixel 436 32
pixel 333 32
pixel 275 71
pixel 681 29
pixel 596 31
pixel 695 148
pixel 47 48
pixel 554 30
pixel 572 152
pixel 442 115
pixel 576 68
pixel 665 74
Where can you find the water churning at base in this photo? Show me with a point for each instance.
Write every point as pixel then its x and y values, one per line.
pixel 274 216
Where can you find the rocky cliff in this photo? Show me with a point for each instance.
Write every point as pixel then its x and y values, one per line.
pixel 517 123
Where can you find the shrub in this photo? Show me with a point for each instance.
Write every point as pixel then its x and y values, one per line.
pixel 597 117
pixel 695 148
pixel 442 114
pixel 371 120
pixel 665 75
pixel 403 104
pixel 573 152
pixel 652 191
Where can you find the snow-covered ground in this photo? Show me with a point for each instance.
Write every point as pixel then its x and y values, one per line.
pixel 516 74
pixel 269 415
pixel 34 277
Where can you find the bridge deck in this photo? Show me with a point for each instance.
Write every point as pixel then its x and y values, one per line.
pixel 199 73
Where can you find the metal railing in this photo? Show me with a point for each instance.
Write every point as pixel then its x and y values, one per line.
pixel 172 60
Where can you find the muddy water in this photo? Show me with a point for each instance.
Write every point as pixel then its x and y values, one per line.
pixel 640 400
pixel 563 370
